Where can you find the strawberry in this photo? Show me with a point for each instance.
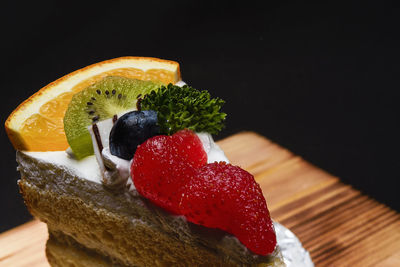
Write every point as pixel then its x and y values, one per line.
pixel 163 164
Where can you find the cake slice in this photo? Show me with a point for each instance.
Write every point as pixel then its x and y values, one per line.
pixel 98 215
pixel 122 228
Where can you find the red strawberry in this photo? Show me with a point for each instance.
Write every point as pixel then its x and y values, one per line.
pixel 227 197
pixel 162 165
pixel 171 171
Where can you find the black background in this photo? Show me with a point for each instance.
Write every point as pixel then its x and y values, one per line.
pixel 321 79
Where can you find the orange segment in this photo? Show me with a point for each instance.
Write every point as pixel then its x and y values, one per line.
pixel 40 132
pixel 55 108
pixel 37 124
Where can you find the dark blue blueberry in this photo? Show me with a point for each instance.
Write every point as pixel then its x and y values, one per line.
pixel 131 130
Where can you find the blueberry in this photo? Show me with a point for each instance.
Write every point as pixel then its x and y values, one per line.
pixel 131 130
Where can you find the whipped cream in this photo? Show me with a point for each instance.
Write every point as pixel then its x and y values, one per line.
pixel 214 152
pixel 87 167
pixel 116 171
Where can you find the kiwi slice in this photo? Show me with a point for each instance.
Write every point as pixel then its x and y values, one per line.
pixel 100 101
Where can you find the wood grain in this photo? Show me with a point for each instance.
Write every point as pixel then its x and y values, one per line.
pixel 337 224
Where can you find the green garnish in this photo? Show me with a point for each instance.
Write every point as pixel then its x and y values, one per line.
pixel 184 107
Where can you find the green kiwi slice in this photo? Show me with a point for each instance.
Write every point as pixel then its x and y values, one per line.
pixel 100 101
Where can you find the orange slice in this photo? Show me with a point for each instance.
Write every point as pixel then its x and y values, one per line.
pixel 37 123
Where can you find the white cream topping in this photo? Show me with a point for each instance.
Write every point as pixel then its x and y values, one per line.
pixel 86 168
pixel 116 171
pixel 180 83
pixel 104 128
pixel 214 152
pixel 121 165
pixel 89 169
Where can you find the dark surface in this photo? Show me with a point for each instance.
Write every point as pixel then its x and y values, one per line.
pixel 319 79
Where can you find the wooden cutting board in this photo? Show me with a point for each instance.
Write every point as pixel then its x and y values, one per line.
pixel 337 224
